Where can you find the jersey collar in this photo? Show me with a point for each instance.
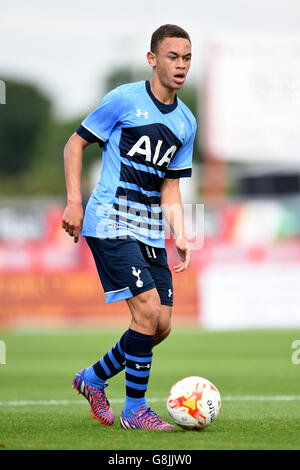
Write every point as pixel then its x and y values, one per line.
pixel 164 108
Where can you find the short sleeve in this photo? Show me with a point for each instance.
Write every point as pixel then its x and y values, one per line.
pixel 181 164
pixel 100 122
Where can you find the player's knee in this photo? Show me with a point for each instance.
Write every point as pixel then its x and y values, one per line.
pixel 151 313
pixel 145 310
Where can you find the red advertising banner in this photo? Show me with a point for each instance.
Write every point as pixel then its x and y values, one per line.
pixel 47 280
pixel 77 299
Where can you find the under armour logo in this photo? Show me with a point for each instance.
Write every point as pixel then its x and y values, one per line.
pixel 137 366
pixel 139 282
pixel 139 113
pixel 170 293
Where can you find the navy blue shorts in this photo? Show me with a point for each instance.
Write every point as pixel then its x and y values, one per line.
pixel 127 268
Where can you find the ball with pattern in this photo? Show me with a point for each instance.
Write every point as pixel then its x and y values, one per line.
pixel 194 403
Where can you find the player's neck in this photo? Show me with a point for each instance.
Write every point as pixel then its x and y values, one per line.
pixel 161 93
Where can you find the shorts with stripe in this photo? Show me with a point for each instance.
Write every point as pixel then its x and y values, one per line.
pixel 128 267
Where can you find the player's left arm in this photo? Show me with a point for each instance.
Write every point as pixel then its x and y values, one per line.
pixel 171 205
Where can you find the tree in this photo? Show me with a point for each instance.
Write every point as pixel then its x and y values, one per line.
pixel 22 119
pixel 122 75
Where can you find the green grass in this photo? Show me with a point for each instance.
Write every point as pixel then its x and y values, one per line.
pixel 40 366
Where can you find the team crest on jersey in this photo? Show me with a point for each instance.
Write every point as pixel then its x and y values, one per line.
pixel 139 282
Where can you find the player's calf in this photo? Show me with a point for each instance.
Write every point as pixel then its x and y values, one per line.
pixel 164 325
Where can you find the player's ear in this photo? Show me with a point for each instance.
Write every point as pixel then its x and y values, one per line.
pixel 151 59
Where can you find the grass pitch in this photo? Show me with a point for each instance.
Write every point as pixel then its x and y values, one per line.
pixel 258 382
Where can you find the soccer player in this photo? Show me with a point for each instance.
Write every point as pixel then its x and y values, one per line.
pixel 147 135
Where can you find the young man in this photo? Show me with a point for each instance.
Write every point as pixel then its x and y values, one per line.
pixel 147 136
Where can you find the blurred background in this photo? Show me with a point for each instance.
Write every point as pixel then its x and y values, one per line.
pixel 57 60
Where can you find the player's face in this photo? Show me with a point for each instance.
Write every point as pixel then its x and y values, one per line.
pixel 172 61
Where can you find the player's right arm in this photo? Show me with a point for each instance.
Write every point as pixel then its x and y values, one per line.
pixel 96 127
pixel 73 213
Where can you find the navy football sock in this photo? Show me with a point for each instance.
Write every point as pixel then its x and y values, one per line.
pixel 109 365
pixel 138 354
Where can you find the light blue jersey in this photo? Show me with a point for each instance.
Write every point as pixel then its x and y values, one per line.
pixel 144 141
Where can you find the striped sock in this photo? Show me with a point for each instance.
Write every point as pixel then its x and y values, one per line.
pixel 109 365
pixel 138 354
